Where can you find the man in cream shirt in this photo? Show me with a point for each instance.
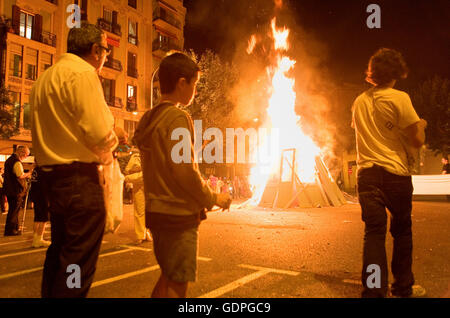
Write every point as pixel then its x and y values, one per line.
pixel 72 133
pixel 386 127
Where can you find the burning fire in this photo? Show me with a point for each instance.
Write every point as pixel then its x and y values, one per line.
pixel 282 116
pixel 251 44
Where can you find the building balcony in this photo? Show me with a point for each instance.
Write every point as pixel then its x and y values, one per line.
pixel 133 72
pixel 115 102
pixel 161 14
pixel 131 106
pixel 133 39
pixel 48 38
pixel 109 26
pixel 164 46
pixel 45 37
pixel 114 64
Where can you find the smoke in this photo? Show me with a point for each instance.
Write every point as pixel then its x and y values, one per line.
pixel 313 83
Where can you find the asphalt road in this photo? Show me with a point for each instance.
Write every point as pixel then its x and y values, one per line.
pixel 248 253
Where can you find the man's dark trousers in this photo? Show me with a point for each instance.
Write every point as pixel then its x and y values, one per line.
pixel 12 219
pixel 378 190
pixel 77 215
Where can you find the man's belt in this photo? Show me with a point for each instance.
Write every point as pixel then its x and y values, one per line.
pixel 71 168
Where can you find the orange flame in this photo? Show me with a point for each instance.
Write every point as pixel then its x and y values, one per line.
pixel 282 116
pixel 280 36
pixel 251 44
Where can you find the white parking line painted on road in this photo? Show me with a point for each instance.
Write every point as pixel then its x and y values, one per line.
pixel 15 242
pixel 235 284
pixel 23 253
pixel 145 249
pixel 36 269
pixel 352 281
pixel 135 273
pixel 273 270
pixel 26 271
pixel 124 276
pixel 260 271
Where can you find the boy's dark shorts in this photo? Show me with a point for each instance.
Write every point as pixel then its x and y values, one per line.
pixel 175 247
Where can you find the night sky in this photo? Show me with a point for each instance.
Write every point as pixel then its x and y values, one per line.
pixel 420 29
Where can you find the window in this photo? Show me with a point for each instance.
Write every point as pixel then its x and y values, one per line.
pixel 31 60
pixel 15 99
pixel 131 98
pixel 109 87
pixel 26 112
pixel 15 64
pixel 46 61
pixel 83 8
pixel 131 94
pixel 132 3
pixel 26 25
pixel 107 15
pixel 132 32
pixel 132 63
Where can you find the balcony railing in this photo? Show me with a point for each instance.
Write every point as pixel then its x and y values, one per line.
pixel 45 37
pixel 165 16
pixel 133 39
pixel 114 64
pixel 109 26
pixel 131 106
pixel 115 102
pixel 133 72
pixel 165 46
pixel 48 38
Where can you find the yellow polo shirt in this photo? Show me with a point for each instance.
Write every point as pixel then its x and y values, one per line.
pixel 70 118
pixel 380 116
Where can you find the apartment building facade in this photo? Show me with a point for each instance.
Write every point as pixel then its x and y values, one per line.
pixel 139 34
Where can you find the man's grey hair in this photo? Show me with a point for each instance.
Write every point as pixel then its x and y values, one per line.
pixel 80 40
pixel 23 151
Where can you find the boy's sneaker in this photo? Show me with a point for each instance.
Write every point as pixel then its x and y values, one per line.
pixel 40 243
pixel 417 291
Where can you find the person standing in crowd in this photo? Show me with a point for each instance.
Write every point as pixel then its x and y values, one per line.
pixel 446 165
pixel 2 194
pixel 15 187
pixel 133 173
pixel 386 123
pixel 40 204
pixel 113 187
pixel 176 194
pixel 72 133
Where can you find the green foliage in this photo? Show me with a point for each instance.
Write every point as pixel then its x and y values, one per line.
pixel 213 103
pixel 432 102
pixel 7 125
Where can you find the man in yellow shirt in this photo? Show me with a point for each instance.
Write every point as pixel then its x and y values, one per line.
pixel 386 127
pixel 72 133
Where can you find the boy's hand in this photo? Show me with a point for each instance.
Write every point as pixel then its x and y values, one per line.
pixel 223 200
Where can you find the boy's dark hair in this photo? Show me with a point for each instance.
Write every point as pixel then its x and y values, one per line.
pixel 384 66
pixel 80 40
pixel 174 67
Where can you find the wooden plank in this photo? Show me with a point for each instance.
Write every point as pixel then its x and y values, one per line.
pixel 327 183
